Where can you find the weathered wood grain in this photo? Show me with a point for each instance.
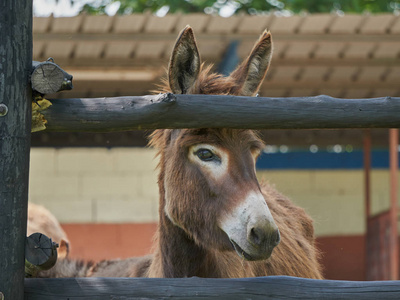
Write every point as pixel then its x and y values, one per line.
pixel 40 254
pixel 47 77
pixel 15 94
pixel 197 111
pixel 274 287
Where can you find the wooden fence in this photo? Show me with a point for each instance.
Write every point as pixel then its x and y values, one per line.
pixel 273 287
pixel 177 111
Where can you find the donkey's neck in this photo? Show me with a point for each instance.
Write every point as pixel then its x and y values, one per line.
pixel 177 255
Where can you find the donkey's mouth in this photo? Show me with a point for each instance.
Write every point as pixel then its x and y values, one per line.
pixel 240 251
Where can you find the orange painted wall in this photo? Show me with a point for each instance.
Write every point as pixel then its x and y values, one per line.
pixel 343 256
pixel 107 241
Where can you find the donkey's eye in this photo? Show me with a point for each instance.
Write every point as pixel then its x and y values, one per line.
pixel 205 155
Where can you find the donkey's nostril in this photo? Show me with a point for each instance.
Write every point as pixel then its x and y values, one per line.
pixel 255 236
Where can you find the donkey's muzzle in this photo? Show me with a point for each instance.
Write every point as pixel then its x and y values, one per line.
pixel 259 243
pixel 251 228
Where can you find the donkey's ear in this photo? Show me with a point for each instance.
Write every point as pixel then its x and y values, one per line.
pixel 63 249
pixel 184 65
pixel 250 74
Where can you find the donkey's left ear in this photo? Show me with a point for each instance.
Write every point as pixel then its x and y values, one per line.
pixel 184 66
pixel 250 74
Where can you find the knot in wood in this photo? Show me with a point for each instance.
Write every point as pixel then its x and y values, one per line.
pixel 168 98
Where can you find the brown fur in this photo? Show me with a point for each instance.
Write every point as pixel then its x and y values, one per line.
pixel 181 253
pixel 190 244
pixel 130 267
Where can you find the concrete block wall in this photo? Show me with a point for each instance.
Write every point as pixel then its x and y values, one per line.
pixel 119 185
pixel 95 185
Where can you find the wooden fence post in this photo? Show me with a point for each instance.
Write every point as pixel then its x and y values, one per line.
pixel 15 123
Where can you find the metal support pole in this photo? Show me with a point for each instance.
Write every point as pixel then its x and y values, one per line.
pixel 394 241
pixel 15 129
pixel 367 173
pixel 367 192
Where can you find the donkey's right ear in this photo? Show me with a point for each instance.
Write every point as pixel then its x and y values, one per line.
pixel 184 66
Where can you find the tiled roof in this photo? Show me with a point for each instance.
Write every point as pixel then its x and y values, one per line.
pixel 343 56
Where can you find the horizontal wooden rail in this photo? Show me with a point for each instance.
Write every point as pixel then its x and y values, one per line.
pixel 201 111
pixel 273 287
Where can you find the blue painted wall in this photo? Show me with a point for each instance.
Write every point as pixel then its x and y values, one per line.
pixel 321 160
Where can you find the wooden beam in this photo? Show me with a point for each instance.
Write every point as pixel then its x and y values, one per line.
pixel 15 122
pixel 158 63
pixel 47 77
pixel 199 111
pixel 273 287
pixel 208 36
pixel 119 81
pixel 40 254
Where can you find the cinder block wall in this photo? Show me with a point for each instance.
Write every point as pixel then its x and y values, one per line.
pixel 95 185
pixel 119 185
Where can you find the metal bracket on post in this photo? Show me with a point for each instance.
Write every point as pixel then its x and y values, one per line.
pixel 3 112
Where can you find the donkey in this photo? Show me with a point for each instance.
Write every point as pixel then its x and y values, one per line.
pixel 215 218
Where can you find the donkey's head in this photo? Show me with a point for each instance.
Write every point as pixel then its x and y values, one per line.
pixel 208 182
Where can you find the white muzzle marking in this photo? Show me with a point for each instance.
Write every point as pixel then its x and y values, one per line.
pixel 252 210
